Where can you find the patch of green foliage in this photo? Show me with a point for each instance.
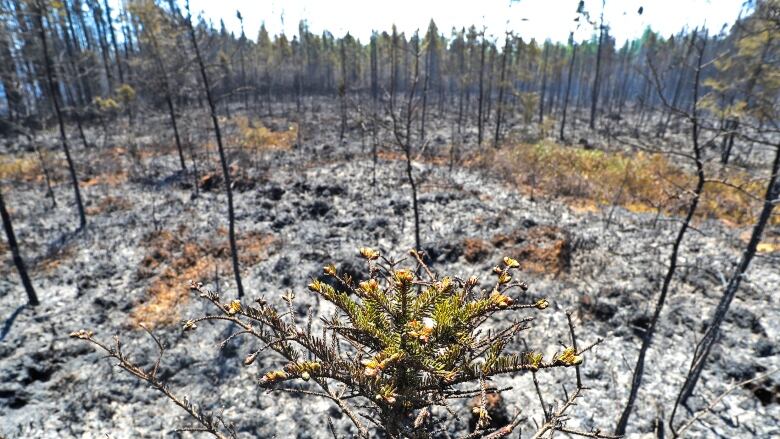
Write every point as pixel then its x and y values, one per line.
pixel 397 345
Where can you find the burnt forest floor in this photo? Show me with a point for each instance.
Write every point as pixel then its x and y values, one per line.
pixel 301 207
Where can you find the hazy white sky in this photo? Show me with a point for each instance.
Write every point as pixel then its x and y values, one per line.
pixel 540 19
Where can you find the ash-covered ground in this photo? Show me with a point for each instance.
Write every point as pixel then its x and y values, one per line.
pixel 300 209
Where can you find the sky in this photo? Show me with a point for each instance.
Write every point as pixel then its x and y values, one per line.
pixel 540 19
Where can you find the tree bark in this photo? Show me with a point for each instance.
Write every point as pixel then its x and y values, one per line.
pixel 38 18
pixel 343 89
pixel 636 380
pixel 703 348
pixel 408 149
pixel 501 87
pixel 481 90
pixel 428 69
pixel 110 22
pixel 32 298
pixel 678 87
pixel 568 88
pixel 222 158
pixel 595 94
pixel 97 17
pixel 544 83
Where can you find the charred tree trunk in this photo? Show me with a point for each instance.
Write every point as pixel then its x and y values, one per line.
pixel 38 18
pixel 343 90
pixel 428 69
pixel 728 140
pixel 242 43
pixel 403 136
pixel 461 83
pixel 269 92
pixel 172 114
pixel 45 169
pixel 168 97
pixel 97 16
pixel 393 67
pixel 501 87
pixel 544 83
pixel 636 380
pixel 728 144
pixel 568 87
pixel 32 298
pixel 374 103
pixel 489 91
pixel 595 94
pixel 678 87
pixel 374 69
pixel 703 348
pixel 110 22
pixel 408 148
pixel 222 158
pixel 481 90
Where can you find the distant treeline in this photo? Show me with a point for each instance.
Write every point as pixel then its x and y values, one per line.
pixel 96 49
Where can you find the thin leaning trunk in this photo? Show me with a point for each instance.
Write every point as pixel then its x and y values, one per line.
pixel 38 17
pixel 425 96
pixel 168 99
pixel 568 89
pixel 489 91
pixel 636 380
pixel 374 59
pixel 44 168
pixel 597 77
pixel 677 88
pixel 222 158
pixel 501 86
pixel 544 83
pixel 110 23
pixel 32 298
pixel 481 90
pixel 403 137
pixel 97 16
pixel 703 348
pixel 343 91
pixel 172 113
pixel 408 152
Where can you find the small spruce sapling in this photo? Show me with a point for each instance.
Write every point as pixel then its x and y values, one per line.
pixel 398 345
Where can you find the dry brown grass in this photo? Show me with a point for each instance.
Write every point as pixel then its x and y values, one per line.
pixel 769 247
pixel 640 182
pixel 770 242
pixel 174 258
pixel 254 136
pixel 24 168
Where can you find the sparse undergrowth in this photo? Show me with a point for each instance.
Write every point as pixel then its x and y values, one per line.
pixel 399 346
pixel 640 182
pixel 253 135
pixel 175 260
pixel 589 180
pixel 26 167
